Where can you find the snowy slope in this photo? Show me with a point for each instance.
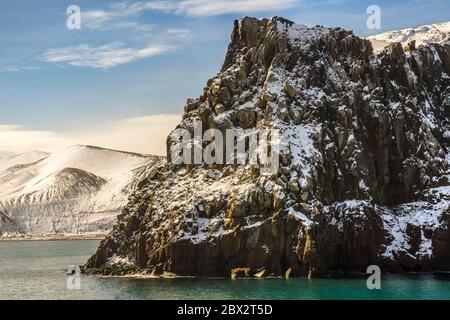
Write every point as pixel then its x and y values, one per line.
pixel 10 160
pixel 433 33
pixel 78 190
pixel 5 155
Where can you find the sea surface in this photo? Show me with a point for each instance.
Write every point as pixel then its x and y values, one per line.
pixel 37 270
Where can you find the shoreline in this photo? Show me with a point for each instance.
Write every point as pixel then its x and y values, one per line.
pixel 54 238
pixel 348 276
pixel 170 276
pixel 443 274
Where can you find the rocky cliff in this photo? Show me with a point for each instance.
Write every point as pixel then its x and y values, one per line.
pixel 363 175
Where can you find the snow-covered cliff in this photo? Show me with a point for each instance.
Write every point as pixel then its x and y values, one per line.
pixel 363 175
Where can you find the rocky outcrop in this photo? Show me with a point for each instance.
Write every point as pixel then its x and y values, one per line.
pixel 363 175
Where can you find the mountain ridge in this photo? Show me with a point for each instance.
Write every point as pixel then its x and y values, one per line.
pixel 77 190
pixel 421 35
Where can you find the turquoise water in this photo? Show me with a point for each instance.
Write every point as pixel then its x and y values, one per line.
pixel 36 270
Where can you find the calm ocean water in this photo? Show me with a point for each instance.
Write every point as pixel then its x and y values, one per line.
pixel 37 270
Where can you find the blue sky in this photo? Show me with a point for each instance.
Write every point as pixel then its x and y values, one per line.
pixel 134 60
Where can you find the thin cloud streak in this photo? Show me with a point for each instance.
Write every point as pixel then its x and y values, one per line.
pixel 214 8
pixel 111 20
pixel 9 69
pixel 100 18
pixel 104 56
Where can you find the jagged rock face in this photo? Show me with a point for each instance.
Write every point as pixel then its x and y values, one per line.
pixel 363 169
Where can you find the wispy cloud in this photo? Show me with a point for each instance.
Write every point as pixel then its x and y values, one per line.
pixel 328 2
pixel 146 134
pixel 103 56
pixel 112 19
pixel 177 31
pixel 213 8
pixel 7 69
pixel 120 15
pixel 99 19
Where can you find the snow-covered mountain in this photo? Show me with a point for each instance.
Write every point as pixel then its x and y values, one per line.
pixel 79 190
pixel 433 33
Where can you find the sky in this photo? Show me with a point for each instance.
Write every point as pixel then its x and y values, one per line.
pixel 121 80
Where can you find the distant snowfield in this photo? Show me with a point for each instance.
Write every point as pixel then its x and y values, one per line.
pixel 433 33
pixel 77 191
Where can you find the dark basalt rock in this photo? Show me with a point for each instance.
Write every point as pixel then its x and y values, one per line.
pixel 370 187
